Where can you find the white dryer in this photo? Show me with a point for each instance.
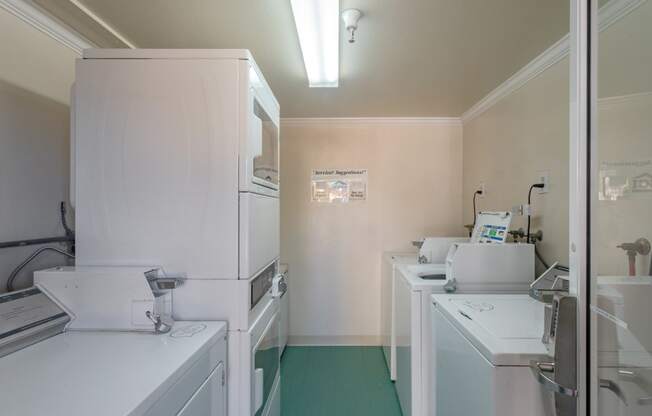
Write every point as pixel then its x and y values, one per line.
pixel 482 347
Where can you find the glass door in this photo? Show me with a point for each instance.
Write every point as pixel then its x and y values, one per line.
pixel 620 206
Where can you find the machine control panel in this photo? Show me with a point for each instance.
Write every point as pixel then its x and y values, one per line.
pixel 26 317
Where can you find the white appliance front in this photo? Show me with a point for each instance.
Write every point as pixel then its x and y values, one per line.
pixel 389 261
pixel 156 164
pixel 412 323
pixel 259 232
pixel 239 302
pixel 407 309
pixel 105 298
pixel 284 307
pixel 101 373
pixel 489 389
pixel 414 361
pixel 254 358
pixel 260 152
pixel 210 398
pixel 163 147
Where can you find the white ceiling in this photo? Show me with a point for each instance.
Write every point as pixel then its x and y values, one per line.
pixel 411 58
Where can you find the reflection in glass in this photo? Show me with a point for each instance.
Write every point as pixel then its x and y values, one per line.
pixel 622 303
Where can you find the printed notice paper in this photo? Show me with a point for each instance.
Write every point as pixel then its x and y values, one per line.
pixel 338 185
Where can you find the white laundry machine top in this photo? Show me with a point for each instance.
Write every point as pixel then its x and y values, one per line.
pixel 400 257
pixel 506 329
pixel 413 272
pixel 103 373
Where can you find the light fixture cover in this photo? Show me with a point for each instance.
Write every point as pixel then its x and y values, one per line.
pixel 350 18
pixel 317 24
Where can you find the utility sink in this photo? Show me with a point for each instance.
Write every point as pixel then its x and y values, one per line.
pixel 428 271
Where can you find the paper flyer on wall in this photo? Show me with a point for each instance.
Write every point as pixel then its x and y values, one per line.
pixel 625 179
pixel 338 185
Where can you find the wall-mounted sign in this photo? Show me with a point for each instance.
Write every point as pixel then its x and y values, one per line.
pixel 339 185
pixel 628 179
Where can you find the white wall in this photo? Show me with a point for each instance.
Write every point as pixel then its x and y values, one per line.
pixel 35 77
pixel 33 61
pixel 415 178
pixel 509 144
pixel 625 137
pixel 527 132
pixel 625 129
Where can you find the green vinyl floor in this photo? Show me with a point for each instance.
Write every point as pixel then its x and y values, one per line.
pixel 336 381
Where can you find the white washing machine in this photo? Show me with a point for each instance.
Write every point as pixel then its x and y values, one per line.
pixel 412 334
pixel 388 265
pixel 482 347
pixel 469 268
pixel 433 250
pixel 46 368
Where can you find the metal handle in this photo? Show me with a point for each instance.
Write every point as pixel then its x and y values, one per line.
pixel 613 387
pixel 160 327
pixel 539 368
pixel 631 376
pixel 258 388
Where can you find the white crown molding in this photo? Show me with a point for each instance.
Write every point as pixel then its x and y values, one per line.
pixel 439 121
pixel 35 17
pixel 609 14
pixel 619 99
pixel 615 10
pixel 97 19
pixel 548 58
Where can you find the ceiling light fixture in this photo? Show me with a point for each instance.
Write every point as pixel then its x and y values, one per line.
pixel 350 18
pixel 318 26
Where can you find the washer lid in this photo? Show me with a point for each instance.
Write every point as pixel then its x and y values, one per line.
pixel 424 276
pixel 103 373
pixel 506 329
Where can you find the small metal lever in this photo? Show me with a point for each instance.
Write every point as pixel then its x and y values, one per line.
pixel 160 327
pixel 450 286
pixel 417 243
pixel 539 368
pixel 613 387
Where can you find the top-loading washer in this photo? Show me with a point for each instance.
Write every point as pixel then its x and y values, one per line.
pixel 469 268
pixel 482 347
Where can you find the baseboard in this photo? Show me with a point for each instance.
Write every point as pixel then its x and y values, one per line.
pixel 334 340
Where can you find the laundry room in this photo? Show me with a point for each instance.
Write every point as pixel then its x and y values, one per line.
pixel 325 207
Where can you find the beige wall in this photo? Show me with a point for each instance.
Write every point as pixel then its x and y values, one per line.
pixel 625 128
pixel 35 78
pixel 415 179
pixel 509 144
pixel 625 138
pixel 33 61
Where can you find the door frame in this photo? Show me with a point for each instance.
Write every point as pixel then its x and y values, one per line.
pixel 583 88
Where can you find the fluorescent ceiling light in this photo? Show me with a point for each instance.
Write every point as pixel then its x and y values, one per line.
pixel 318 26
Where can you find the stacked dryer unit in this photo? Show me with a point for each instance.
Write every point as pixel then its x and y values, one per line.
pixel 175 164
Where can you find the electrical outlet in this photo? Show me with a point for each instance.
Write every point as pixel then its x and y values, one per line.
pixel 482 188
pixel 544 178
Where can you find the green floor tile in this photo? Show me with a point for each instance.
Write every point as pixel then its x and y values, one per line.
pixel 336 381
